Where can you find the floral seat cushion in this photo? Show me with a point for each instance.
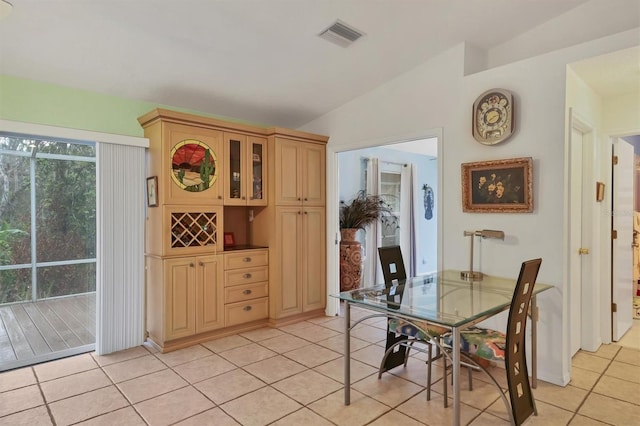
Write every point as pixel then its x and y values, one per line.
pixel 403 327
pixel 482 342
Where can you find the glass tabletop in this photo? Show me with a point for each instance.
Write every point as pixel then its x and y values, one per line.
pixel 442 298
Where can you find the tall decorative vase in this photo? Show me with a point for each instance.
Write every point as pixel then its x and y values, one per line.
pixel 350 260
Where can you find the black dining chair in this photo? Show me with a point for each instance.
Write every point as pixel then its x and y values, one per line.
pixel 507 347
pixel 402 335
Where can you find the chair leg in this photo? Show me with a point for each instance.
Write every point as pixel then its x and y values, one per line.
pixel 444 381
pixel 429 361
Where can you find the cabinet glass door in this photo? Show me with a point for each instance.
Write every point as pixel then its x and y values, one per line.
pixel 257 171
pixel 234 193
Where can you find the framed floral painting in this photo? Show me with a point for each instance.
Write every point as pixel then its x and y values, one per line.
pixel 498 186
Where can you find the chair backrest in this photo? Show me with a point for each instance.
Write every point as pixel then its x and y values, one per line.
pixel 522 403
pixel 392 264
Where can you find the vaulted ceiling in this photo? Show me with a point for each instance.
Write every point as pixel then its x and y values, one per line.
pixel 262 61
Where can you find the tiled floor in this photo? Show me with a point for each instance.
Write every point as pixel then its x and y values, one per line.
pixel 293 376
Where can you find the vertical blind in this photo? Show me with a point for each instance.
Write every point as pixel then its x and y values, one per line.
pixel 120 247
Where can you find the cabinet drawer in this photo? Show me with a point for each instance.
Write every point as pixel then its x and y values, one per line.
pixel 246 276
pixel 241 312
pixel 245 292
pixel 246 259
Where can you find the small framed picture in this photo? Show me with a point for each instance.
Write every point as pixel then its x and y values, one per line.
pixel 500 186
pixel 152 191
pixel 229 240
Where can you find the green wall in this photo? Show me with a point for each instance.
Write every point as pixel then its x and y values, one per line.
pixel 43 103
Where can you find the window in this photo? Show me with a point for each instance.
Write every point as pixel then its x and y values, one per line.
pixel 47 218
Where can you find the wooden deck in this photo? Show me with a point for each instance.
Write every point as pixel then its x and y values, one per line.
pixel 35 329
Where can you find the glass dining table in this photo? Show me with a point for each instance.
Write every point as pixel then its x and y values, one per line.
pixel 443 299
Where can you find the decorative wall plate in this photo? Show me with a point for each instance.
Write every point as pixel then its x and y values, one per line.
pixel 493 116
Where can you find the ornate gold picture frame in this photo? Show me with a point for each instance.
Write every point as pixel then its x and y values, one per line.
pixel 499 186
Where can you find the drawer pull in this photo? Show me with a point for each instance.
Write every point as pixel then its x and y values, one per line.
pixel 201 263
pixel 247 275
pixel 246 308
pixel 191 264
pixel 247 292
pixel 246 259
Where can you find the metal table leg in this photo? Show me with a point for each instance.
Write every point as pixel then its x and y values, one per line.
pixel 347 353
pixel 456 376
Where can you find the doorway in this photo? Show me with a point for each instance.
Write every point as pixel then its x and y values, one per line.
pixel 406 195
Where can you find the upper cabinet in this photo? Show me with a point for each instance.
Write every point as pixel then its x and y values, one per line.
pixel 300 176
pixel 246 168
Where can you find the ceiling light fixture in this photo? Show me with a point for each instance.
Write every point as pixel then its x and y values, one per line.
pixel 5 9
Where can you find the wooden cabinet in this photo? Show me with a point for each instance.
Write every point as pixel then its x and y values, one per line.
pixel 294 226
pixel 246 170
pixel 246 285
pixel 186 297
pixel 301 172
pixel 301 283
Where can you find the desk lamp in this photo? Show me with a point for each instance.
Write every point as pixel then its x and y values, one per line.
pixel 470 275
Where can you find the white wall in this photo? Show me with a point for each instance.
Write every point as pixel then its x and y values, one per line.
pixel 436 95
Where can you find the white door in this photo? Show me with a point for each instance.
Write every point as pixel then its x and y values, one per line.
pixel 575 232
pixel 622 283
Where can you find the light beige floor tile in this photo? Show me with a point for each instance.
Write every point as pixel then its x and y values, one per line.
pixel 307 386
pixel 151 385
pixel 433 412
pixel 74 384
pixel 226 343
pixel 15 379
pixel 629 356
pixel 312 355
pixel 296 326
pixel 579 420
pixel 336 344
pixel 204 368
pixel 214 417
pixel 173 406
pixel 314 333
pixel 389 389
pixel 371 355
pixel 567 397
pixel 369 333
pixel 305 417
pixel 273 369
pixel 609 410
pixel 247 354
pixel 133 368
pixel 284 343
pixel 482 396
pixel 87 405
pixel 631 338
pixel 182 356
pixel 335 370
pixel 63 367
pixel 606 351
pixel 262 334
pixel 260 407
pixel 20 399
pixel 416 371
pixel 486 419
pixel 394 418
pixel 335 324
pixel 38 416
pixel 549 415
pixel 320 320
pixel 120 356
pixel 361 411
pixel 228 386
pixel 124 416
pixel 590 362
pixel 581 378
pixel 624 371
pixel 617 388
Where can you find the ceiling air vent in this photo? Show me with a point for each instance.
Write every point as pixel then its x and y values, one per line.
pixel 341 34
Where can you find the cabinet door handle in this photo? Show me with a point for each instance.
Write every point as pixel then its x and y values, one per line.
pixel 246 291
pixel 201 263
pixel 246 308
pixel 306 212
pixel 219 197
pixel 192 264
pixel 298 198
pixel 244 198
pixel 306 199
pixel 247 275
pixel 246 259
